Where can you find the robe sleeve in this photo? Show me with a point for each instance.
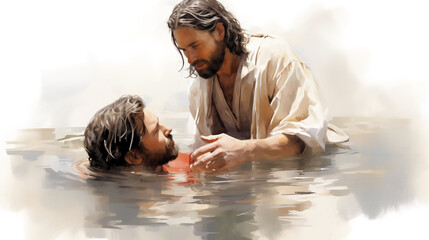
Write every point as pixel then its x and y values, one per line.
pixel 194 97
pixel 295 105
pixel 199 107
pixel 298 108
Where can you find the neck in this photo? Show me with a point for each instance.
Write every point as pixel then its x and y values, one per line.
pixel 230 65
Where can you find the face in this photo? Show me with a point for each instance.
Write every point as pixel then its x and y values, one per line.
pixel 157 142
pixel 204 51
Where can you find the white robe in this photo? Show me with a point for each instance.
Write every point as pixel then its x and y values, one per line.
pixel 274 93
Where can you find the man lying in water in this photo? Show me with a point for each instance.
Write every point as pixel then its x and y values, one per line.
pixel 124 133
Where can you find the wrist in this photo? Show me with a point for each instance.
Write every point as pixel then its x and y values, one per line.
pixel 252 149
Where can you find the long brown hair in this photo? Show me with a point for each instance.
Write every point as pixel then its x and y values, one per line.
pixel 204 15
pixel 113 131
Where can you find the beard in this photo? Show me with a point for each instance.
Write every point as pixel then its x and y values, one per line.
pixel 171 153
pixel 213 64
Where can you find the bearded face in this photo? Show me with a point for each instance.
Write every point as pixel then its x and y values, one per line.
pixel 208 68
pixel 204 50
pixel 171 151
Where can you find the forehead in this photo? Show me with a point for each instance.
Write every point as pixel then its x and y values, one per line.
pixel 150 120
pixel 188 35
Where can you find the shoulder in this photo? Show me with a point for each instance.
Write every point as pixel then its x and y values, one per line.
pixel 265 49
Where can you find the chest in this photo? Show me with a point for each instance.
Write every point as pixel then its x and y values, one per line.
pixel 227 86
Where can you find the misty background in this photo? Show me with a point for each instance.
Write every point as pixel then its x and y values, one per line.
pixel 61 61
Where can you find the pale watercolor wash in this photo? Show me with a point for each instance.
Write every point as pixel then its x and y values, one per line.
pixel 396 52
pixel 137 40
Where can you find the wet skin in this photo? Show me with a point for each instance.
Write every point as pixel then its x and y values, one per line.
pixel 156 146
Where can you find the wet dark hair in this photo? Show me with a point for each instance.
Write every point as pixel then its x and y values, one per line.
pixel 204 15
pixel 113 131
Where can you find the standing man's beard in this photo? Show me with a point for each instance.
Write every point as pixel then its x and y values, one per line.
pixel 171 153
pixel 214 63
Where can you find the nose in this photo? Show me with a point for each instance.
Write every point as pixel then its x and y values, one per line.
pixel 167 130
pixel 191 57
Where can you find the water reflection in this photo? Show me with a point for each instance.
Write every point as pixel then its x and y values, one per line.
pixel 266 199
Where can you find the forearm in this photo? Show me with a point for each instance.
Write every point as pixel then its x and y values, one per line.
pixel 223 151
pixel 275 147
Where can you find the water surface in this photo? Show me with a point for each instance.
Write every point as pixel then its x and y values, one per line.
pixel 302 198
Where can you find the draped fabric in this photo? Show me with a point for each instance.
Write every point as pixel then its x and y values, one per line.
pixel 274 93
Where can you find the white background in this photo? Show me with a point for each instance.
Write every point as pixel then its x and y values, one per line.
pixel 60 61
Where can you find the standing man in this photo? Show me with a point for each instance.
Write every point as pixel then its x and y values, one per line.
pixel 253 98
